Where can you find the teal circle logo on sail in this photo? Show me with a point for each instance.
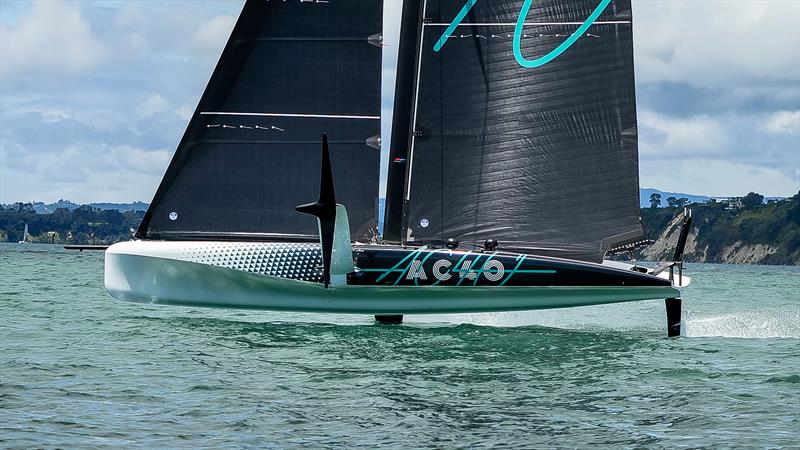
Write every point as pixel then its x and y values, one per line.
pixel 517 42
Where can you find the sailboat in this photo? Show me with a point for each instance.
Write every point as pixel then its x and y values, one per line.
pixel 513 166
pixel 25 235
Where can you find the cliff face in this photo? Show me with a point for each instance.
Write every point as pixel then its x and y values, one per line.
pixel 766 234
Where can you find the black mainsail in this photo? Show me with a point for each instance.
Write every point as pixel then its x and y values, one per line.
pixel 543 159
pixel 291 71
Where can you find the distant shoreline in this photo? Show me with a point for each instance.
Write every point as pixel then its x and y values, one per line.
pixel 733 231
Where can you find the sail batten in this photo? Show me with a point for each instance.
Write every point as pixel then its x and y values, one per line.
pixel 268 114
pixel 541 159
pixel 290 72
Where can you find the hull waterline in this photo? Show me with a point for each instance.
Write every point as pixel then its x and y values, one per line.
pixel 149 272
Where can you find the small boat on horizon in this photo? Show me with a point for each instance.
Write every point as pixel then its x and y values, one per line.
pixel 509 183
pixel 25 236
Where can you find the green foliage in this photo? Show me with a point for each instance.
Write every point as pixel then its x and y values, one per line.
pixel 673 202
pixel 752 200
pixel 775 224
pixel 655 200
pixel 84 225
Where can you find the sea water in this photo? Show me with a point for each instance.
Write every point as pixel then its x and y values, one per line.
pixel 81 370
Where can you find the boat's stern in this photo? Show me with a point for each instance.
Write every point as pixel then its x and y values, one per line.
pixel 215 274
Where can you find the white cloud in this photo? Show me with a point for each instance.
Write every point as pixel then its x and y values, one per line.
pixel 153 105
pixel 762 142
pixel 54 115
pixel 213 34
pixel 717 43
pixel 787 122
pixel 674 136
pixel 139 160
pixel 68 170
pixel 54 37
pixel 114 173
pixel 184 112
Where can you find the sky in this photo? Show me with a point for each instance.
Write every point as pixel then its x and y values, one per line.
pixel 95 95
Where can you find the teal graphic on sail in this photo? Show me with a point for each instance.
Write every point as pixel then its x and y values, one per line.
pixel 517 42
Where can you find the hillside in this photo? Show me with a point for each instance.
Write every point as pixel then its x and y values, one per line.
pixel 755 234
pixel 42 208
pixel 82 225
pixel 763 234
pixel 645 193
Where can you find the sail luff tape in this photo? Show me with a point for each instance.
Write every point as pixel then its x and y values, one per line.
pixel 313 116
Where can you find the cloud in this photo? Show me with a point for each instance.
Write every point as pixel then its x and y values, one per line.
pixel 140 160
pixel 718 89
pixel 153 105
pixel 718 43
pixel 677 136
pixel 759 140
pixel 108 169
pixel 209 35
pixel 113 84
pixel 95 95
pixel 54 37
pixel 68 167
pixel 43 132
pixel 787 122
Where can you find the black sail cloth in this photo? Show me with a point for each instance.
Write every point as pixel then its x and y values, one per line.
pixel 543 159
pixel 290 71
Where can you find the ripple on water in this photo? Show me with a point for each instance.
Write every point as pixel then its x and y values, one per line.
pixel 81 371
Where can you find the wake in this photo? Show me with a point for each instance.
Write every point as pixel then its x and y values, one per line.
pixel 746 324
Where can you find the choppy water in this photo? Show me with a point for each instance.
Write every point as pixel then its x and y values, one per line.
pixel 80 370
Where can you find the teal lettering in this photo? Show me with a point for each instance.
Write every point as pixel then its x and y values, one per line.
pixel 517 47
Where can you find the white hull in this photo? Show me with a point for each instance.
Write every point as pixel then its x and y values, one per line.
pixel 183 273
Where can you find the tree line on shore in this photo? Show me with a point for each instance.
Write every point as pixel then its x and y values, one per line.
pixel 83 225
pixel 718 225
pixel 751 200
